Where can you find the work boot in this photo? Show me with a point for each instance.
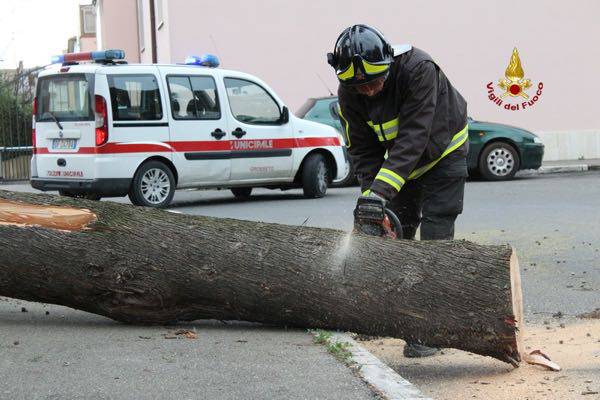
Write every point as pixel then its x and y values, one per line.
pixel 414 350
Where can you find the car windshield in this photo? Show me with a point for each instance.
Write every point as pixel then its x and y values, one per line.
pixel 64 97
pixel 301 113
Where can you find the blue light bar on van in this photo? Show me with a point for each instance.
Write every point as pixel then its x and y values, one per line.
pixel 104 55
pixel 205 60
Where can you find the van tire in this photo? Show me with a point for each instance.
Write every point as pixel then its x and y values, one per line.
pixel 349 179
pixel 315 176
pixel 242 193
pixel 87 196
pixel 154 173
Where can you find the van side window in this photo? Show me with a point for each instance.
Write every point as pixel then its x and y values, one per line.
pixel 250 103
pixel 193 97
pixel 135 97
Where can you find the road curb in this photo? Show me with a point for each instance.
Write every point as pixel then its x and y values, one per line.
pixel 382 379
pixel 557 169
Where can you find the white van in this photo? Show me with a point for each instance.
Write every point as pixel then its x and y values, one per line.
pixel 106 128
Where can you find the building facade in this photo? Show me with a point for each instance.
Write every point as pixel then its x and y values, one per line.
pixel 285 42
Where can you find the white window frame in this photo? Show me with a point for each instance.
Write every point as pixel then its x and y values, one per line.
pixel 91 11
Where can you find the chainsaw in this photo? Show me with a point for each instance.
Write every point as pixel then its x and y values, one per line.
pixel 372 217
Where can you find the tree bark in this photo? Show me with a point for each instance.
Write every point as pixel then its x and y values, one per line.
pixel 140 265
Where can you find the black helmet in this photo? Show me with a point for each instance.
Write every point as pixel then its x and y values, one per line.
pixel 361 55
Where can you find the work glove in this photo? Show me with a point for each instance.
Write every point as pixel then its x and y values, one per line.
pixel 371 194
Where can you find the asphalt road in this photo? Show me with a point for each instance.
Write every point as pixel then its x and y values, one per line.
pixel 72 355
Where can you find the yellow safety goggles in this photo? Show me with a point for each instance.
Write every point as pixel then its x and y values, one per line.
pixel 370 69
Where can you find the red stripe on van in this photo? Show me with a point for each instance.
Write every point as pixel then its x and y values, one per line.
pixel 168 147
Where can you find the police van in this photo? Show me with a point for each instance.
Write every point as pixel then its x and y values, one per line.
pixel 105 128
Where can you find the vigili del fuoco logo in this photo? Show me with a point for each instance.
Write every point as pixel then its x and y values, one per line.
pixel 515 87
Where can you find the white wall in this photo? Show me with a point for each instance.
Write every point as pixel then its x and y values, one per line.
pixel 571 145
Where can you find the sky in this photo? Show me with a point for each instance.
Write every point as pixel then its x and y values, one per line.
pixel 35 30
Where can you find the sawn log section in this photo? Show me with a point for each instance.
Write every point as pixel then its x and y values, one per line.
pixel 139 265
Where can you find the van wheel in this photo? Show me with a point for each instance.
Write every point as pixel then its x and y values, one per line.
pixel 153 185
pixel 349 179
pixel 315 176
pixel 242 193
pixel 499 161
pixel 87 196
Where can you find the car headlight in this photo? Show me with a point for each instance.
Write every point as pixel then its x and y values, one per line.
pixel 537 140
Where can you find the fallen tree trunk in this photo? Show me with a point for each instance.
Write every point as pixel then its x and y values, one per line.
pixel 140 265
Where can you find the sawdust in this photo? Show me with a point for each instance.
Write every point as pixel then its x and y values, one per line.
pixel 457 374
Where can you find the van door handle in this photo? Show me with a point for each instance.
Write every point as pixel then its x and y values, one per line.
pixel 217 134
pixel 238 132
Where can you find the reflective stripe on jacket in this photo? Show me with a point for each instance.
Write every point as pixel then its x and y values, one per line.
pixel 417 119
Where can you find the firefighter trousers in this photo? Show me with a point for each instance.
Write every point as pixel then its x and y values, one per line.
pixel 434 200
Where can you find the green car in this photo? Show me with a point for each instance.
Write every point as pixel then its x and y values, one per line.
pixel 496 151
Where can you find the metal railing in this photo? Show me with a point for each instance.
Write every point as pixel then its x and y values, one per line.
pixel 15 163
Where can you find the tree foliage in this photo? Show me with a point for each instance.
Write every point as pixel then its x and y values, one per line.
pixel 15 112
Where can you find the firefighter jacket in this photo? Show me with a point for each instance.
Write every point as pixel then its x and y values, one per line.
pixel 406 129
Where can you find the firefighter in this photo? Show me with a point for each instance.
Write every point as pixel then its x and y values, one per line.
pixel 407 134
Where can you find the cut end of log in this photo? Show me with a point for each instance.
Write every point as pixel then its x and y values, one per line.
pixel 52 217
pixel 516 351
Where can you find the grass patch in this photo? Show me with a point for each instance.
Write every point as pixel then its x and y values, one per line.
pixel 321 337
pixel 340 350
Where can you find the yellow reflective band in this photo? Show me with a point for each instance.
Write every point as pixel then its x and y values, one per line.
pixel 347 74
pixel 391 178
pixel 345 123
pixel 390 129
pixel 389 181
pixel 366 192
pixel 390 136
pixel 390 124
pixel 372 69
pixel 392 174
pixel 457 140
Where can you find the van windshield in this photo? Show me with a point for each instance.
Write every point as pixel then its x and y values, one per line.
pixel 65 97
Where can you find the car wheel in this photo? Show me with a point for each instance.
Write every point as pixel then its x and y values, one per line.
pixel 499 161
pixel 242 193
pixel 88 196
pixel 315 176
pixel 153 185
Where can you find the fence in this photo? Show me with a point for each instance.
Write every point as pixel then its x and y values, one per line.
pixel 16 96
pixel 15 163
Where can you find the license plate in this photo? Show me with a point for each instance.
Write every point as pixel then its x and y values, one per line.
pixel 64 144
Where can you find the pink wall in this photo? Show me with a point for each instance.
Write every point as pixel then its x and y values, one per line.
pixel 285 42
pixel 118 27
